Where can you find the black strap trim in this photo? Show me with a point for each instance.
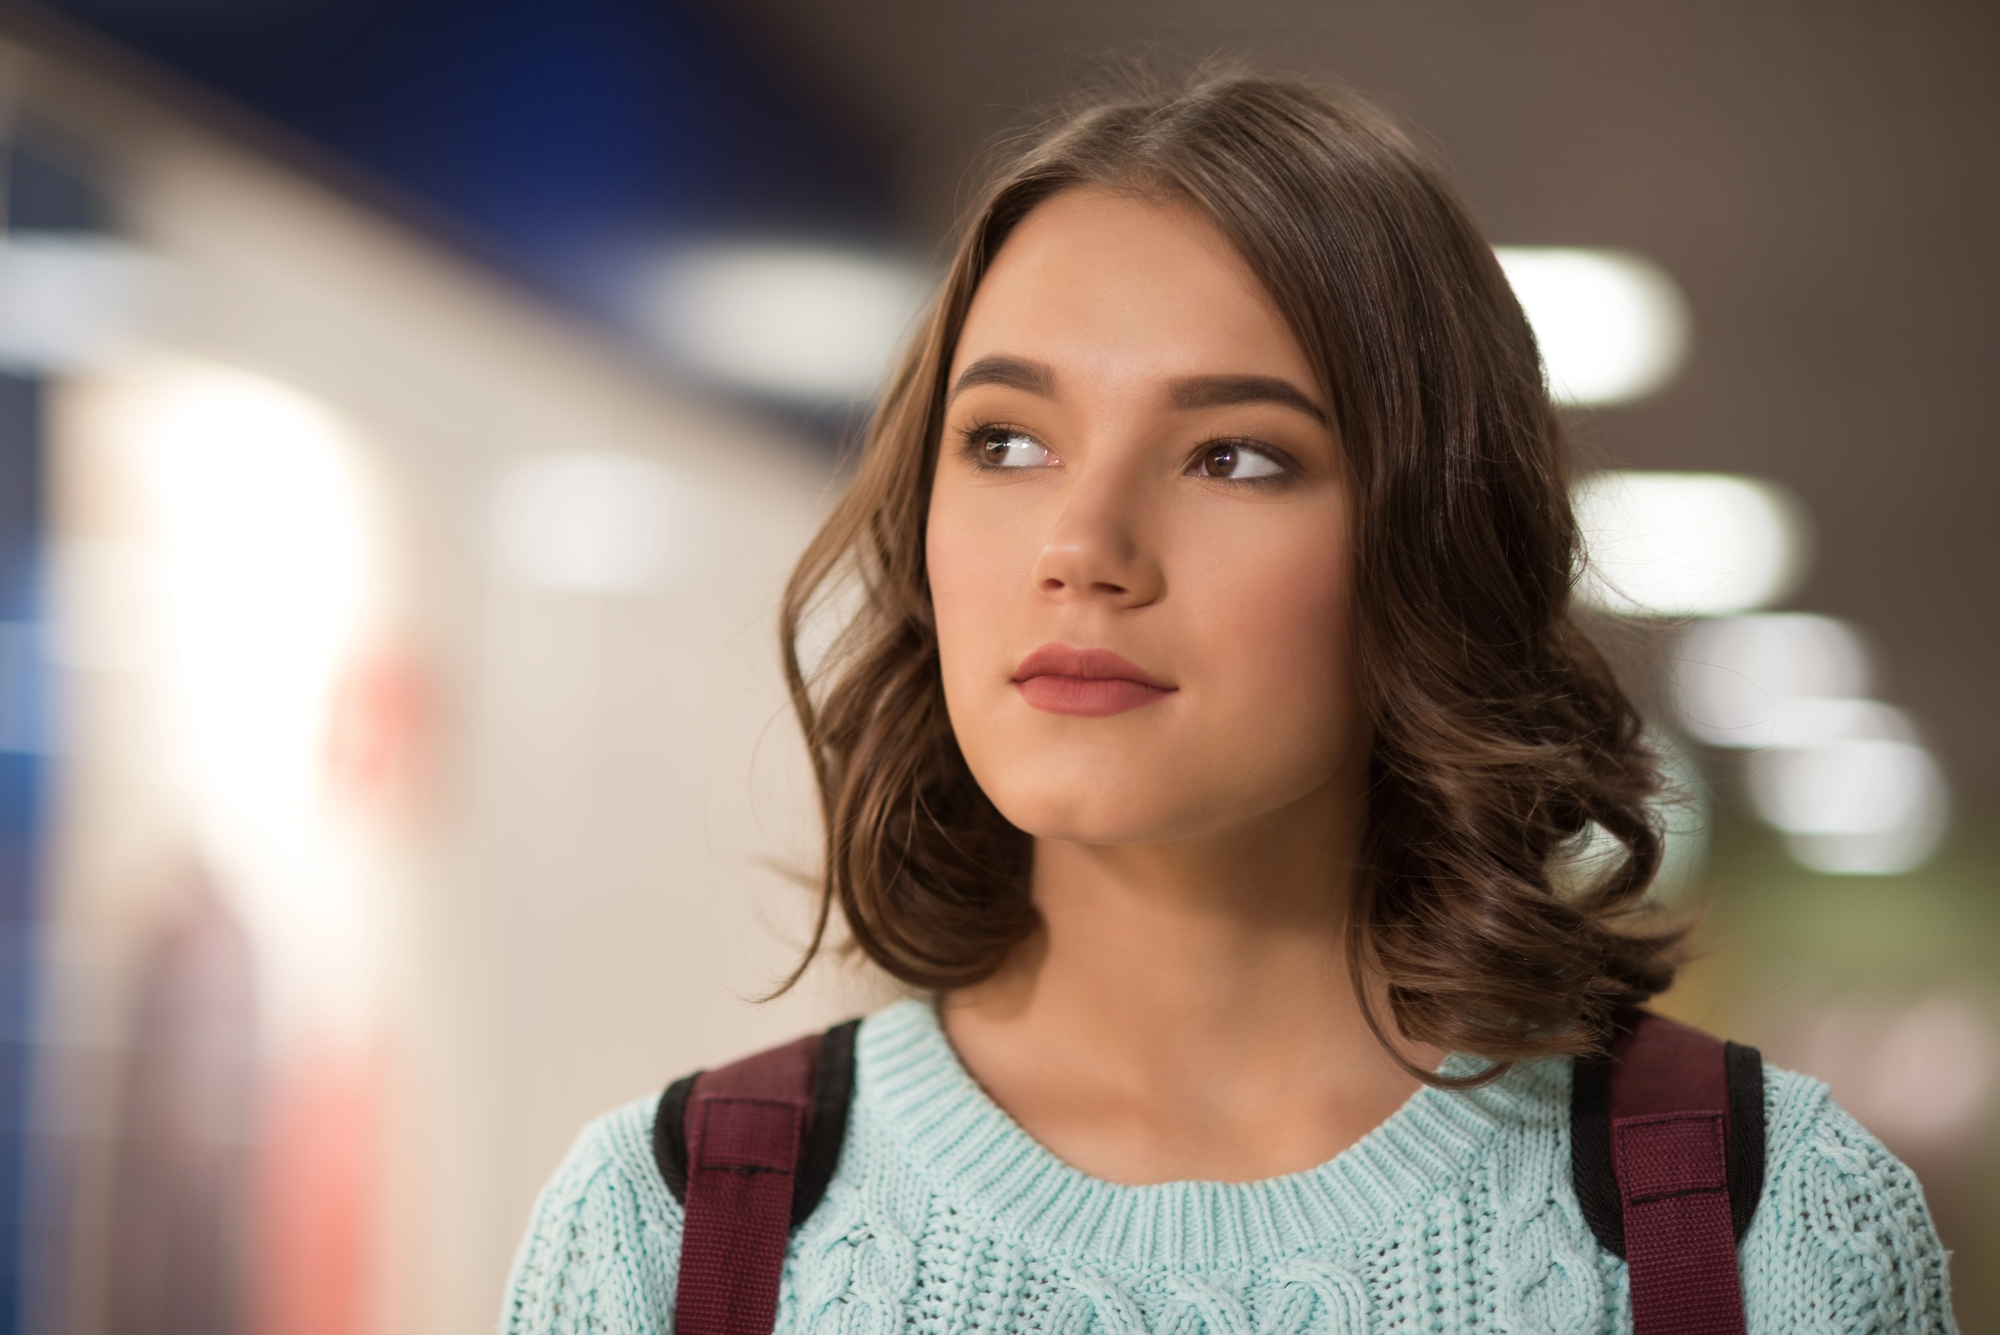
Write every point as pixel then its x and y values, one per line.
pixel 833 1091
pixel 1590 1152
pixel 1596 1181
pixel 819 1156
pixel 1743 1067
pixel 670 1145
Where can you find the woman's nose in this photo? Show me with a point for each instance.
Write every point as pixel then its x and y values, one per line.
pixel 1095 550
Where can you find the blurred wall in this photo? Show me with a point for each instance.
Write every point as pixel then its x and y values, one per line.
pixel 462 831
pixel 563 143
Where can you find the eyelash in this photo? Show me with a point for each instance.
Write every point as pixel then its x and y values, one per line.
pixel 976 437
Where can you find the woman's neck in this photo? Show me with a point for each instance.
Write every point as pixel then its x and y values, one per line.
pixel 1185 1010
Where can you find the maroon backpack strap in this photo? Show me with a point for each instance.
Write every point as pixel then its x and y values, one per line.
pixel 1667 1139
pixel 748 1149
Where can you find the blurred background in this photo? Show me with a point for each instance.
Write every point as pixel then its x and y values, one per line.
pixel 409 413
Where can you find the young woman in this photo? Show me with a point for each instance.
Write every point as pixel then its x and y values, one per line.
pixel 1201 753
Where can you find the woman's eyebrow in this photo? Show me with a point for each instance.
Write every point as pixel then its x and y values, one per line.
pixel 1012 372
pixel 1220 391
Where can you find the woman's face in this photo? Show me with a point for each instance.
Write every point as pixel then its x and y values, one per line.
pixel 1139 537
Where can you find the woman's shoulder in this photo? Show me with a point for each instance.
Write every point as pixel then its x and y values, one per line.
pixel 602 1247
pixel 614 1153
pixel 1842 1230
pixel 602 1244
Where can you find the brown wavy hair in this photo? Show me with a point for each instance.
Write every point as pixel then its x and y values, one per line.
pixel 1500 733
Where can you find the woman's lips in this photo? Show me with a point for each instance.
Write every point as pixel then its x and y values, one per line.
pixel 1094 683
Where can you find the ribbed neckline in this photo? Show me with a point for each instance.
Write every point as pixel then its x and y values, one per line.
pixel 909 1077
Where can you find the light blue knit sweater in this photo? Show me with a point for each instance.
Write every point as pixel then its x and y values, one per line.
pixel 1454 1215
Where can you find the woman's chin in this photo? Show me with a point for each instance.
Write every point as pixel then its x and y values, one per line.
pixel 1103 816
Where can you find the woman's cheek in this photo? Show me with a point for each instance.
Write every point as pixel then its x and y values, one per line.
pixel 1286 610
pixel 967 564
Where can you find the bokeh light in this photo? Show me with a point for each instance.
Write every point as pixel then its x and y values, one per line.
pixel 1612 326
pixel 1853 806
pixel 1738 679
pixel 1687 544
pixel 808 324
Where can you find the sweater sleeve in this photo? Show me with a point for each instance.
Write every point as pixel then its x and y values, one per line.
pixel 1842 1241
pixel 603 1243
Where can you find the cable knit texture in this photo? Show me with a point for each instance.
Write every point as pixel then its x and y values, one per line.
pixel 1454 1215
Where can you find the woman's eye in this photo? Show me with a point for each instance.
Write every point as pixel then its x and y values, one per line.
pixel 1012 449
pixel 1239 462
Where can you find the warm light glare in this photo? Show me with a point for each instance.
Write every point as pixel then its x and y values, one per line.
pixel 1686 544
pixel 595 522
pixel 1611 326
pixel 262 571
pixel 790 322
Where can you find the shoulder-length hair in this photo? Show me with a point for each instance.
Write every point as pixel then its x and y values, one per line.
pixel 1500 733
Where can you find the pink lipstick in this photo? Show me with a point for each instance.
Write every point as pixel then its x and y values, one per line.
pixel 1093 683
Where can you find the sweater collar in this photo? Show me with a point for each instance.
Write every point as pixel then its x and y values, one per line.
pixel 912 1087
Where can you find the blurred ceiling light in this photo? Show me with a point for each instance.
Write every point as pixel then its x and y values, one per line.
pixel 1742 681
pixel 1856 806
pixel 1809 720
pixel 802 323
pixel 64 298
pixel 594 522
pixel 1686 544
pixel 1611 326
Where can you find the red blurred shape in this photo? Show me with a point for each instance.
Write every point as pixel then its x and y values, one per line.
pixel 314 1224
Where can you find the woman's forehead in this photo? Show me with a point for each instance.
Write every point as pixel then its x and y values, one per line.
pixel 1096 282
